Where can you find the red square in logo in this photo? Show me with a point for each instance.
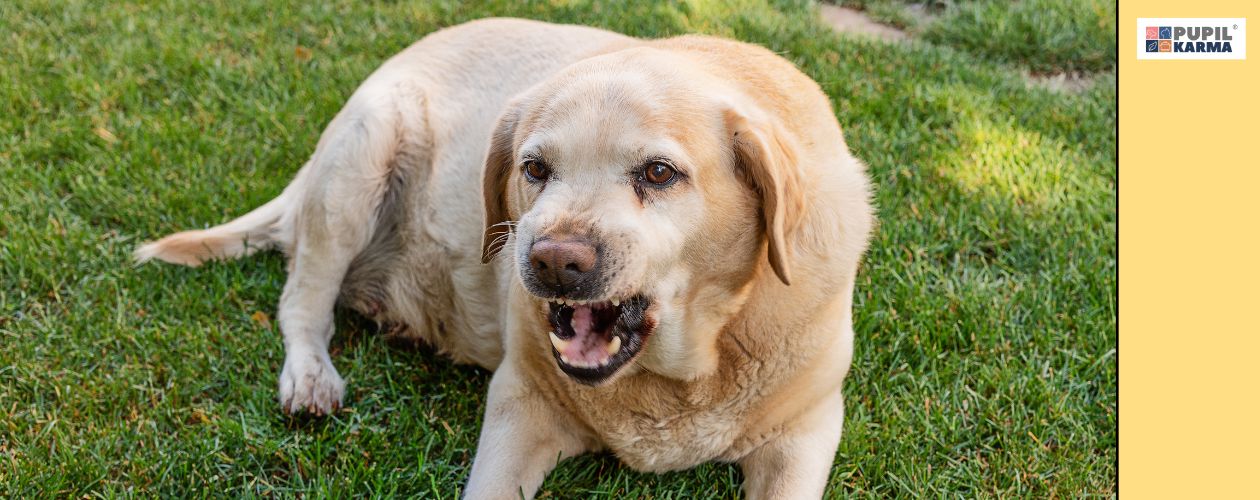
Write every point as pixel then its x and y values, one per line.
pixel 1152 32
pixel 1165 45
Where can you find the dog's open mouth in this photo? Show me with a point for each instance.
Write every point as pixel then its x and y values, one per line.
pixel 592 340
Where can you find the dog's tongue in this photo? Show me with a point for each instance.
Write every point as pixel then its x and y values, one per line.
pixel 587 347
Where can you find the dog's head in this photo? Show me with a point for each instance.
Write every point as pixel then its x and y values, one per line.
pixel 643 201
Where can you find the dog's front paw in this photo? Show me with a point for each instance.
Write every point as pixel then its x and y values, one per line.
pixel 309 382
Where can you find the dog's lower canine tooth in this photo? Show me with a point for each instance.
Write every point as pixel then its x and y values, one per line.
pixel 614 346
pixel 616 302
pixel 559 343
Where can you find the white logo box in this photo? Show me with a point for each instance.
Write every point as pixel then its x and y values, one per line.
pixel 1236 26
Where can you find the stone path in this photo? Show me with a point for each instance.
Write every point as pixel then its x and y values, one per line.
pixel 847 20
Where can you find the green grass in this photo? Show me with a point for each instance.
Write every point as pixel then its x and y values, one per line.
pixel 1044 35
pixel 986 313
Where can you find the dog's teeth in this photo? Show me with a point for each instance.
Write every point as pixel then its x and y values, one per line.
pixel 616 302
pixel 614 346
pixel 557 342
pixel 565 360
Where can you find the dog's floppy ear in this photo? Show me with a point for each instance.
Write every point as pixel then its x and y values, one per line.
pixel 765 154
pixel 499 162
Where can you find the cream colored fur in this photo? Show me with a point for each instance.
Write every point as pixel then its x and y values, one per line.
pixel 389 213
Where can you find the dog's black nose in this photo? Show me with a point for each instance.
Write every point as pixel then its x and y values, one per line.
pixel 564 265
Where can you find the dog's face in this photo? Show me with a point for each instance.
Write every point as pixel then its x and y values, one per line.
pixel 638 226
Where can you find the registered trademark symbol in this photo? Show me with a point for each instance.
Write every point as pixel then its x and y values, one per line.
pixel 1235 26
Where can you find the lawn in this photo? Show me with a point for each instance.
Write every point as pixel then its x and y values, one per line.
pixel 986 315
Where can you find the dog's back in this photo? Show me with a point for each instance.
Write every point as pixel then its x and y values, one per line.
pixel 461 76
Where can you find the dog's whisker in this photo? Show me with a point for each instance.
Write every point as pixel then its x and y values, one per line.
pixel 501 239
pixel 499 242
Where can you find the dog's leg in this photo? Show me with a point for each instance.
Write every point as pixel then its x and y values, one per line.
pixel 797 464
pixel 333 224
pixel 522 439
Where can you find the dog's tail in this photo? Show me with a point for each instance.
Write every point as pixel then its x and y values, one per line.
pixel 266 227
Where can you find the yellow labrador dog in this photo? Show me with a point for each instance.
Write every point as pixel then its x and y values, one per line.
pixel 653 244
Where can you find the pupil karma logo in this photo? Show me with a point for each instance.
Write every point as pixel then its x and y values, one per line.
pixel 1163 36
pixel 1192 38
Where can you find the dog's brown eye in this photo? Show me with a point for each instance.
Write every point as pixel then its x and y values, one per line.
pixel 535 171
pixel 659 173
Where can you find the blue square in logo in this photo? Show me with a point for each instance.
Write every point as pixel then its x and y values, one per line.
pixel 1152 45
pixel 1165 32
